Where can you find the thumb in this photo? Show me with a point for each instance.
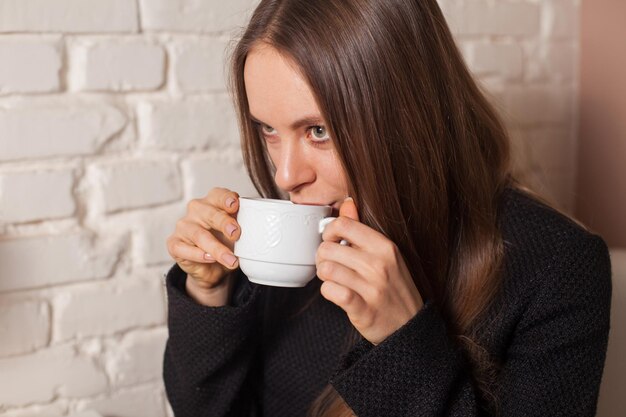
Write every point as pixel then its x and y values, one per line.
pixel 348 209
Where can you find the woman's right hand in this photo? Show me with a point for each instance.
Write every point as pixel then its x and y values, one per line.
pixel 202 245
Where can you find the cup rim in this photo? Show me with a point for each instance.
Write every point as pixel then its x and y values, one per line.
pixel 284 202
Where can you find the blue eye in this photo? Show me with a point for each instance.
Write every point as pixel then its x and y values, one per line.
pixel 319 133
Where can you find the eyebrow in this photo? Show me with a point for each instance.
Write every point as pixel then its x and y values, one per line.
pixel 305 121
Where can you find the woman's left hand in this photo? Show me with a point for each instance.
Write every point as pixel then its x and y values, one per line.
pixel 368 279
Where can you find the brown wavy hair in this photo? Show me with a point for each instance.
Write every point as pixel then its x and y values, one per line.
pixel 426 156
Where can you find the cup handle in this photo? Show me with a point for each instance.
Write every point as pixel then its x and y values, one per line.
pixel 322 225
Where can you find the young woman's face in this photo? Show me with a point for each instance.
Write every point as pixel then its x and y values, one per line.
pixel 288 118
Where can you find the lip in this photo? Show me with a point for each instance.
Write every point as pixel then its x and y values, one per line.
pixel 334 204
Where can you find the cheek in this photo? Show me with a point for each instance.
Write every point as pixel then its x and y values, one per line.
pixel 273 152
pixel 336 175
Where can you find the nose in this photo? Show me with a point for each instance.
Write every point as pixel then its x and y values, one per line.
pixel 293 169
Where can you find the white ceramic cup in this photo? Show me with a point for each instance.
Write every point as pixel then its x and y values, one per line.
pixel 279 240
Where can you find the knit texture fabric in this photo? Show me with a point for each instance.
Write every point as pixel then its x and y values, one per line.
pixel 271 351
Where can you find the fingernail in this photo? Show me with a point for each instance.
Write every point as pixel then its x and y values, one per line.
pixel 229 202
pixel 348 199
pixel 229 258
pixel 230 229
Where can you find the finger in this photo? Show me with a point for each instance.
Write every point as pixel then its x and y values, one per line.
pixel 211 217
pixel 349 256
pixel 355 233
pixel 192 233
pixel 348 209
pixel 180 250
pixel 346 299
pixel 223 199
pixel 342 275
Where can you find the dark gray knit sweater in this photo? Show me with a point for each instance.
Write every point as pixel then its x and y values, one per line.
pixel 273 350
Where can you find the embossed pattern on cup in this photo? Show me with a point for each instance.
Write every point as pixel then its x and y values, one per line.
pixel 272 233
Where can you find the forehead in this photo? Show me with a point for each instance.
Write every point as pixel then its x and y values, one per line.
pixel 275 88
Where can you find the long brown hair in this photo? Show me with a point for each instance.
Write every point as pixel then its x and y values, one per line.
pixel 426 156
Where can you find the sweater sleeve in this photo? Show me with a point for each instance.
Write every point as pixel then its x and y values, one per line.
pixel 209 356
pixel 553 365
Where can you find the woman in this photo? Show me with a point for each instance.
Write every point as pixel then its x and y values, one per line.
pixel 460 293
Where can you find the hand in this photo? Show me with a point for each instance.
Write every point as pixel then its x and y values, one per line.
pixel 202 243
pixel 368 279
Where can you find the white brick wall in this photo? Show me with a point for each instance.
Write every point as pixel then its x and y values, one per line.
pixel 70 16
pixel 134 360
pixel 29 65
pixel 208 172
pixel 107 308
pixel 22 194
pixel 503 60
pixel 499 18
pixel 129 184
pixel 197 123
pixel 113 113
pixel 63 126
pixel 24 327
pixel 196 16
pixel 142 401
pixel 200 64
pixel 50 410
pixel 48 373
pixel 525 54
pixel 32 262
pixel 130 64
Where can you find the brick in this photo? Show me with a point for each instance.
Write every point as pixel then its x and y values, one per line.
pixel 52 372
pixel 70 16
pixel 482 17
pixel 137 358
pixel 200 66
pixel 199 16
pixel 502 60
pixel 51 410
pixel 137 183
pixel 154 229
pixel 137 402
pixel 118 65
pixel 560 19
pixel 107 307
pixel 203 174
pixel 562 61
pixel 51 260
pixel 24 327
pixel 552 61
pixel 56 129
pixel 23 193
pixel 188 125
pixel 30 65
pixel 538 105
